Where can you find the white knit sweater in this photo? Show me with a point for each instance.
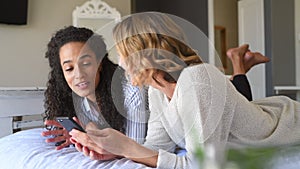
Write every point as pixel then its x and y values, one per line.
pixel 206 108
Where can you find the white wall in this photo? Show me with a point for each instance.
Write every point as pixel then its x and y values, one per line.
pixel 22 62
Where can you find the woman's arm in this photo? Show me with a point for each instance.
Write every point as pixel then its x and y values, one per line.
pixel 110 141
pixel 145 156
pixel 141 154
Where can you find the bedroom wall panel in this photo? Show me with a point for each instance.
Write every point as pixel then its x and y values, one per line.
pixel 297 44
pixel 251 31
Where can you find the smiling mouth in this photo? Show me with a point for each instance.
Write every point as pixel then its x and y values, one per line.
pixel 82 85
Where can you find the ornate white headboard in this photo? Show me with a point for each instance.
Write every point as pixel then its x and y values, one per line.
pixel 94 14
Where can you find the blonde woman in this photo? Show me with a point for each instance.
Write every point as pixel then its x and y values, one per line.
pixel 191 103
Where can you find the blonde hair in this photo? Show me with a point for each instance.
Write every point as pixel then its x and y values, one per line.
pixel 151 42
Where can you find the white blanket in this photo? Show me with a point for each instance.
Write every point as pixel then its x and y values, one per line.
pixel 28 150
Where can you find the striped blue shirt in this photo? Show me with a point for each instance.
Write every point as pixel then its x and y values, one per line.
pixel 136 105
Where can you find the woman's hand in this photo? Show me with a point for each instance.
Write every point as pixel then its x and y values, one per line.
pixel 93 154
pixel 60 134
pixel 84 144
pixel 113 142
pixel 102 141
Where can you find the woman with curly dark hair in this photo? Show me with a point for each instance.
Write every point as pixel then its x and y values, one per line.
pixel 80 73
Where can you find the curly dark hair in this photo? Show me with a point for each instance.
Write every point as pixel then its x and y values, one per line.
pixel 58 95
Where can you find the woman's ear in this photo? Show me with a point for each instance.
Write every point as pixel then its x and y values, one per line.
pixel 157 79
pixel 162 79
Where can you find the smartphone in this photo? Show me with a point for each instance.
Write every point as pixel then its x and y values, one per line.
pixel 69 124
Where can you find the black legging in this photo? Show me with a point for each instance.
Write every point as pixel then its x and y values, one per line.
pixel 242 85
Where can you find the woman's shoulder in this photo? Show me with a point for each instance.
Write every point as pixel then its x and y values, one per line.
pixel 200 67
pixel 200 72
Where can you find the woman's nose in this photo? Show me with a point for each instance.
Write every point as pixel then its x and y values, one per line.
pixel 78 73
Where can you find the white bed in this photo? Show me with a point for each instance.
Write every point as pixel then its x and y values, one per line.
pixel 20 101
pixel 27 150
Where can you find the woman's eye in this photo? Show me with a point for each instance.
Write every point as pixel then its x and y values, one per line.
pixel 68 69
pixel 87 63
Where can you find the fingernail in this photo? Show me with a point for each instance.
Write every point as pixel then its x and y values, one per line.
pixel 73 140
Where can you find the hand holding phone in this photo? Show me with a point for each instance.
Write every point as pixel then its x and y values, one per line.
pixel 69 124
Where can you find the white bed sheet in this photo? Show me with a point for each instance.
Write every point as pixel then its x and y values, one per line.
pixel 27 150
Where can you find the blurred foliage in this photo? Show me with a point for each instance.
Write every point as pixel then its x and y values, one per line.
pixel 252 158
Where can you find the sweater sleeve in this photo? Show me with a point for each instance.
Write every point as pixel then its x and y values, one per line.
pixel 167 159
pixel 157 136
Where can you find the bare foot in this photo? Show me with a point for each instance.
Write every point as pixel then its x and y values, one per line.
pixel 253 58
pixel 238 52
pixel 236 55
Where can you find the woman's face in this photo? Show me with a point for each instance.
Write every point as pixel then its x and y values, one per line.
pixel 164 86
pixel 80 68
